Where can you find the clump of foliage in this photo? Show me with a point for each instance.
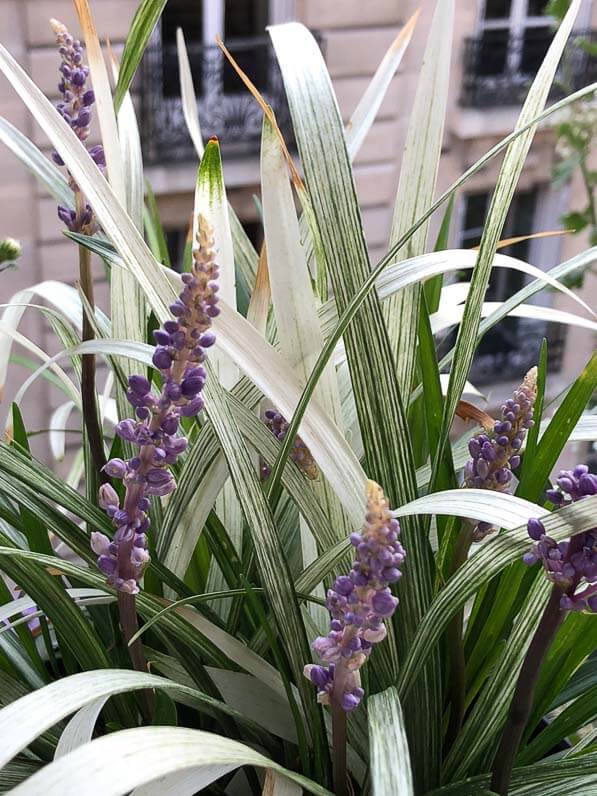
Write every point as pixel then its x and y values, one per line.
pixel 272 568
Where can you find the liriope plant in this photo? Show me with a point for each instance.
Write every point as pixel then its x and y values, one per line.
pixel 238 588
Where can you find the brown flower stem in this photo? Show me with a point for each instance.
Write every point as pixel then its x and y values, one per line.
pixel 339 749
pixel 457 679
pixel 522 700
pixel 129 624
pixel 88 400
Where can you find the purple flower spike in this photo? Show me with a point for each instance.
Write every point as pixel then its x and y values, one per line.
pixel 358 603
pixel 75 108
pixel 124 558
pixel 495 454
pixel 572 565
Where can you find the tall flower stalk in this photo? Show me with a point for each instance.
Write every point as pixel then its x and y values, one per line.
pixel 359 603
pixel 181 349
pixel 75 108
pixel 572 568
pixel 495 454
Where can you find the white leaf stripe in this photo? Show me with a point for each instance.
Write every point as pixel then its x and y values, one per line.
pixel 390 759
pixel 510 171
pixel 416 187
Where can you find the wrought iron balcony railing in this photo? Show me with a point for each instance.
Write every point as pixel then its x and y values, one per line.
pixel 499 67
pixel 226 108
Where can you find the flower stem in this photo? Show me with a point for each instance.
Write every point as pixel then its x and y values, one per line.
pixel 522 700
pixel 89 405
pixel 128 621
pixel 339 749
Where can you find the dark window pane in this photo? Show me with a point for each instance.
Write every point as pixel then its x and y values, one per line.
pixel 185 14
pixel 253 60
pixel 497 9
pixel 245 18
pixel 475 211
pixel 537 8
pixel 188 15
pixel 175 241
pixel 493 52
pixel 535 44
pixel 254 232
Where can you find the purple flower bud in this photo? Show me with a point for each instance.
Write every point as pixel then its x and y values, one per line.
pixel 78 77
pixel 107 497
pixel 88 98
pixel 554 496
pixel 319 676
pixel 191 386
pixel 157 477
pixel 107 564
pixel 161 337
pixel 193 407
pixel 588 484
pixel 139 385
pixel 535 529
pixel 161 358
pixel 99 543
pixel 115 468
pixel 207 340
pixel 172 390
pixel 127 429
pixel 350 702
pixel 343 585
pixel 170 424
pixel 83 118
pixel 383 603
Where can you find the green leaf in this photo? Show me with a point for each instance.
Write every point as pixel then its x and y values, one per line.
pixel 557 433
pixel 480 733
pixel 390 759
pixel 37 163
pixel 490 559
pixel 246 258
pixel 433 287
pixel 510 171
pixel 144 754
pixel 35 530
pixel 74 631
pixel 336 223
pixel 154 230
pixel 146 17
pixel 418 175
pixel 27 717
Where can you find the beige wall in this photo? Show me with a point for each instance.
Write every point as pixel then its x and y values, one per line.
pixel 356 34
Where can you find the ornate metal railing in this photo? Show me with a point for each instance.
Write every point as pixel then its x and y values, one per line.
pixel 498 68
pixel 226 108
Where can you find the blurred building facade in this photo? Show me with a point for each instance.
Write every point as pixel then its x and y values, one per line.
pixel 498 45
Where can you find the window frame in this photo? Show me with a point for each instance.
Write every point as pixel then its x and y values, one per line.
pixel 516 23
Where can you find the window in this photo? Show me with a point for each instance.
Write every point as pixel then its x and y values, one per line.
pixel 515 35
pixel 512 346
pixel 238 22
